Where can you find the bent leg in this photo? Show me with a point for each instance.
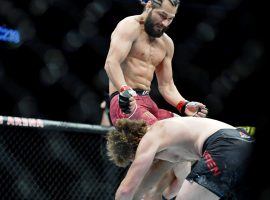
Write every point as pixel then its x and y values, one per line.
pixel 143 114
pixel 141 111
pixel 164 114
pixel 194 191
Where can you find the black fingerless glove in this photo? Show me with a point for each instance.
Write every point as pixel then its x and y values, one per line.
pixel 125 93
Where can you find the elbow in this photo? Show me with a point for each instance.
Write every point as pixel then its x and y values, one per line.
pixel 107 66
pixel 109 63
pixel 167 90
pixel 162 90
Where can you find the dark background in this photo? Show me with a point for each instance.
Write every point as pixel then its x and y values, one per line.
pixel 56 71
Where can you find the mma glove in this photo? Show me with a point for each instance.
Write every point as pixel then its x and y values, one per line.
pixel 125 93
pixel 192 107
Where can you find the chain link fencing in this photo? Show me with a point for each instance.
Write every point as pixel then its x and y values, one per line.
pixel 55 160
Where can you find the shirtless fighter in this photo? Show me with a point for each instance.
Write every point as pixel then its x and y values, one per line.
pixel 139 48
pixel 222 153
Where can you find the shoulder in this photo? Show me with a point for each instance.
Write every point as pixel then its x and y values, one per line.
pixel 129 26
pixel 154 132
pixel 130 22
pixel 168 42
pixel 171 126
pixel 162 134
pixel 160 128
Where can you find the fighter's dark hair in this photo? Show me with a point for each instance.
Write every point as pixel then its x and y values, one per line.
pixel 158 3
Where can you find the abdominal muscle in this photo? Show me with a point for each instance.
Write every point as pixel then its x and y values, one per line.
pixel 138 74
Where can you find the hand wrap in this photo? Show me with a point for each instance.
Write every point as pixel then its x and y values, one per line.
pixel 181 107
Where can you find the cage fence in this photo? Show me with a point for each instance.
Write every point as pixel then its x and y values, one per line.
pixel 43 160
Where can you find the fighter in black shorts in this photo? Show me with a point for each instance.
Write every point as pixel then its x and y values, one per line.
pixel 222 152
pixel 224 161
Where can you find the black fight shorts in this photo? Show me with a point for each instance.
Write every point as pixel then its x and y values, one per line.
pixel 226 155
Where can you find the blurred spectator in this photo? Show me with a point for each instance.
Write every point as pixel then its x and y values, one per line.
pixel 105 119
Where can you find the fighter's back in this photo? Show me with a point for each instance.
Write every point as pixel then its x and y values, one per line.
pixel 182 138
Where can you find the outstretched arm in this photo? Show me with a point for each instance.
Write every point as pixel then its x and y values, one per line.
pixel 143 160
pixel 164 75
pixel 169 91
pixel 121 41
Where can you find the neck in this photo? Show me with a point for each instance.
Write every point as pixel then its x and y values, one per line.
pixel 142 17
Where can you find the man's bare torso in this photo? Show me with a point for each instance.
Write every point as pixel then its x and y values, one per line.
pixel 145 55
pixel 182 139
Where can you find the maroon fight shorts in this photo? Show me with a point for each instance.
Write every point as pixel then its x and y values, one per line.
pixel 146 109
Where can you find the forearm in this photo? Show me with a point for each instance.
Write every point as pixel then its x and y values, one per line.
pixel 115 74
pixel 171 94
